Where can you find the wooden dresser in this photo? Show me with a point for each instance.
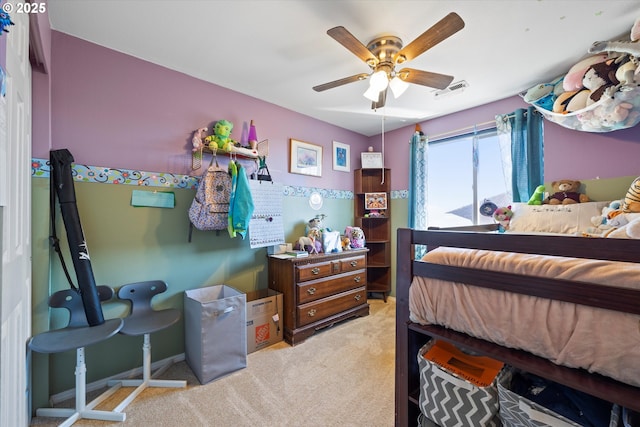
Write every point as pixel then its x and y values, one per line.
pixel 319 290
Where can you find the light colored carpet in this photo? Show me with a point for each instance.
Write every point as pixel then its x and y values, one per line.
pixel 341 376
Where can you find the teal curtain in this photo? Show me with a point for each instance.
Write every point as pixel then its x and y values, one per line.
pixel 527 148
pixel 418 186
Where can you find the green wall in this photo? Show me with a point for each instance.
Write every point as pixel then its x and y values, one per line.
pixel 129 244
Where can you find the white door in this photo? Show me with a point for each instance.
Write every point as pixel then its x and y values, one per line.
pixel 15 220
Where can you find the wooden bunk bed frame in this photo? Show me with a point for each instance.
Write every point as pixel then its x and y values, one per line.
pixel 410 337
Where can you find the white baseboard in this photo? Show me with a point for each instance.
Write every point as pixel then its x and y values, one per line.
pixel 97 385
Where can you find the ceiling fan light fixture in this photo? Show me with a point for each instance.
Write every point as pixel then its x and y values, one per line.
pixel 372 94
pixel 398 86
pixel 379 80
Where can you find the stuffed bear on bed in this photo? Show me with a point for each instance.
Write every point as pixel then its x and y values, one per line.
pixel 566 191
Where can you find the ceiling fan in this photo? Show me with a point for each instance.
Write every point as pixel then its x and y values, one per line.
pixel 382 54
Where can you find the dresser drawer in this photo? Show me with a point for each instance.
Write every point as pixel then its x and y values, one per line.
pixel 316 270
pixel 355 263
pixel 321 288
pixel 318 310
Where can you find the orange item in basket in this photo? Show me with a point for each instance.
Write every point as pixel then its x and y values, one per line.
pixel 478 370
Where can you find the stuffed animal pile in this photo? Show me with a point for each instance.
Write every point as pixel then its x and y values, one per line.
pixel 621 219
pixel 600 92
pixel 631 201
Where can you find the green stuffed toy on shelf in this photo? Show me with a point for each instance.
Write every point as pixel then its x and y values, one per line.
pixel 221 138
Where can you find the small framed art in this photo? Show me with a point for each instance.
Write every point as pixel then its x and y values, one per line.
pixel 371 160
pixel 341 157
pixel 375 201
pixel 306 158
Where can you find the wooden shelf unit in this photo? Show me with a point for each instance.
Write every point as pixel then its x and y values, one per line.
pixel 377 229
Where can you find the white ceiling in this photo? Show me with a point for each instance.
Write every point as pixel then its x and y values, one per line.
pixel 277 51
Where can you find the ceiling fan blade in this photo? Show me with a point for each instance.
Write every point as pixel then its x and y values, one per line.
pixel 382 99
pixel 348 40
pixel 425 78
pixel 446 27
pixel 340 82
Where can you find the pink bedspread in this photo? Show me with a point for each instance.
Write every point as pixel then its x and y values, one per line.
pixel 598 340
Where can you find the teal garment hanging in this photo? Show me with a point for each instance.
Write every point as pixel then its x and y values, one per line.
pixel 233 171
pixel 241 203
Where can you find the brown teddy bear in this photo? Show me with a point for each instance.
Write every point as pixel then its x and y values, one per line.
pixel 566 192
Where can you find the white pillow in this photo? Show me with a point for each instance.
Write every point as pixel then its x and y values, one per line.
pixel 564 219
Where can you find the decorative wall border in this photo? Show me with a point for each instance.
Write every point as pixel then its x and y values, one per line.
pixel 293 191
pixel 41 168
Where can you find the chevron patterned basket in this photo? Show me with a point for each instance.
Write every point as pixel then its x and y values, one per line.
pixel 451 401
pixel 518 411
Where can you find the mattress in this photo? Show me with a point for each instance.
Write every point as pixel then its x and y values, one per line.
pixel 598 340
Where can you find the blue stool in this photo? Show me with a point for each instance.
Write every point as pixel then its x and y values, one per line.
pixel 76 336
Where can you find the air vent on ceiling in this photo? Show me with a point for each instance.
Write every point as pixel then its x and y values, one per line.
pixel 456 87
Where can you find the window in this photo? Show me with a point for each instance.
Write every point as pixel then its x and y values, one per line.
pixel 462 173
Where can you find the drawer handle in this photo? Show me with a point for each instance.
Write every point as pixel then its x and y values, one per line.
pixel 311 291
pixel 311 312
pixel 357 279
pixel 354 263
pixel 357 297
pixel 315 271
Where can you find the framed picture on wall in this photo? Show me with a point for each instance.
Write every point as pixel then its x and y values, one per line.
pixel 341 157
pixel 371 160
pixel 375 201
pixel 306 158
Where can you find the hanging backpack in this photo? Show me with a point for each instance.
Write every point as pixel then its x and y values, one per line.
pixel 210 207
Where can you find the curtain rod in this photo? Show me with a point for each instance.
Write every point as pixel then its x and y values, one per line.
pixel 461 130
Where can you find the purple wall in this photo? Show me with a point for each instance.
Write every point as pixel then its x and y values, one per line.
pixel 568 154
pixel 111 109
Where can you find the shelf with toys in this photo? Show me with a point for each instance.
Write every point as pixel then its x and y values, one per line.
pixel 600 93
pixel 220 142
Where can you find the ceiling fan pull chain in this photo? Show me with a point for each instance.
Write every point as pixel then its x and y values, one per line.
pixel 382 170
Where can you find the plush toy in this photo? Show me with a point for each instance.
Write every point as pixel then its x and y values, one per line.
pixel 544 95
pixel 537 196
pixel 503 217
pixel 633 229
pixel 541 95
pixel 221 140
pixel 626 72
pixel 566 192
pixel 572 101
pixel 602 224
pixel 631 47
pixel 311 241
pixel 631 201
pixel 356 237
pixel 198 136
pixel 600 80
pixel 346 243
pixel 616 114
pixel 573 79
